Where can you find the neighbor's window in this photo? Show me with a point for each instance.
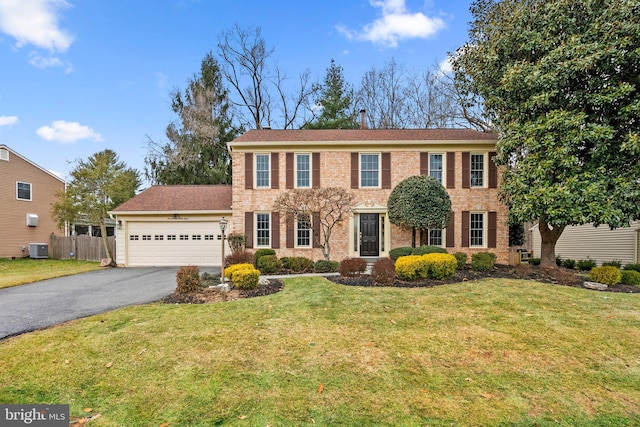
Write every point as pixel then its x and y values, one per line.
pixel 477 170
pixel 476 229
pixel 303 170
pixel 263 230
pixel 23 191
pixel 369 170
pixel 263 171
pixel 303 231
pixel 436 165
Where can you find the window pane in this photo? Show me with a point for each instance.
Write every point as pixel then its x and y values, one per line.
pixel 303 231
pixel 262 170
pixel 435 166
pixel 303 171
pixel 435 237
pixel 24 191
pixel 262 229
pixel 477 170
pixel 476 229
pixel 369 168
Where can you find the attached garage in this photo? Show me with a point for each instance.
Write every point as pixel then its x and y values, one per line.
pixel 173 226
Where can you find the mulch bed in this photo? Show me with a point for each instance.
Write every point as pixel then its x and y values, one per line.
pixel 559 276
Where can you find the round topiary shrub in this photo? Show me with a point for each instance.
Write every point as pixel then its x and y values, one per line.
pixel 262 252
pixel 412 267
pixel 608 275
pixel 268 264
pixel 187 279
pixel 427 249
pixel 383 271
pixel 483 261
pixel 326 266
pixel 396 253
pixel 630 277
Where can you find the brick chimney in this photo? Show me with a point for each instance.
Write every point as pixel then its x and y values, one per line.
pixel 362 125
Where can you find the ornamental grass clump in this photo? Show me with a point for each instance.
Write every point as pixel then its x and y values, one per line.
pixel 187 279
pixel 608 275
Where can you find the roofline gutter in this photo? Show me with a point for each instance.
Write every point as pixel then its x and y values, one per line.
pixel 181 212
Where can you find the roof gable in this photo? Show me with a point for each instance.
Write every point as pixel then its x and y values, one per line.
pixel 14 153
pixel 179 198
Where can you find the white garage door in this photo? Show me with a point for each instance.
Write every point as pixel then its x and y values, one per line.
pixel 175 243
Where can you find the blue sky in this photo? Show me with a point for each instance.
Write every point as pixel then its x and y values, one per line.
pixel 79 76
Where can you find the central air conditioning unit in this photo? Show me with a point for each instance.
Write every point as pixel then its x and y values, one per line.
pixel 32 220
pixel 38 250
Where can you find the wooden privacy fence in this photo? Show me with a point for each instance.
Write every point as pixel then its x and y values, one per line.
pixel 83 247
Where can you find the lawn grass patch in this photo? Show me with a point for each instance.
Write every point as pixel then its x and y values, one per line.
pixel 26 270
pixel 491 352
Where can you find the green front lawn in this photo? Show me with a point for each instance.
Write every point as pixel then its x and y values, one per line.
pixel 494 352
pixel 27 270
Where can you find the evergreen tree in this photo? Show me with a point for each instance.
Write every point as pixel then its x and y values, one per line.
pixel 335 98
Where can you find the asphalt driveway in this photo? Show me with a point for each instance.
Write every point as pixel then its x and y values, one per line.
pixel 50 302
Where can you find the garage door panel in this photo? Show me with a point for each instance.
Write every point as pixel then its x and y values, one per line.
pixel 187 243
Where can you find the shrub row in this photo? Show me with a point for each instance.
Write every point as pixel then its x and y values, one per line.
pixel 432 266
pixel 420 250
pixel 268 263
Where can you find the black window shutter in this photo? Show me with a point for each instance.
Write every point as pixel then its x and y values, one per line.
pixel 248 229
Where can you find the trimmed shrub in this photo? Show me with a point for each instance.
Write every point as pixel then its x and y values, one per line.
pixel 461 259
pixel 440 266
pixel 427 249
pixel 634 267
pixel 396 253
pixel 242 257
pixel 412 267
pixel 236 242
pixel 246 278
pixel 262 252
pixel 383 271
pixel 569 263
pixel 483 261
pixel 585 264
pixel 534 261
pixel 608 274
pixel 268 264
pixel 228 272
pixel 612 263
pixel 187 279
pixel 630 277
pixel 297 264
pixel 350 267
pixel 326 266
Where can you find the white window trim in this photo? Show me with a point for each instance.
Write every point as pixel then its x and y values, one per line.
pixel 295 170
pixel 484 228
pixel 444 166
pixel 485 169
pixel 4 154
pixel 310 245
pixel 255 229
pixel 255 170
pixel 379 171
pixel 30 191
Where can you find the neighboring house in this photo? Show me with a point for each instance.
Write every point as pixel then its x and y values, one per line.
pixel 26 194
pixel 370 163
pixel 172 225
pixel 596 243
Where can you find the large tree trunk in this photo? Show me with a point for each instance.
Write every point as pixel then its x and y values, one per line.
pixel 548 246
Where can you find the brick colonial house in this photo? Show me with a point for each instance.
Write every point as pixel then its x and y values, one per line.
pixel 369 163
pixel 26 194
pixel 176 225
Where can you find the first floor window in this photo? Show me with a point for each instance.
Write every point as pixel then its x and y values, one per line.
pixel 23 191
pixel 303 231
pixel 435 237
pixel 262 229
pixel 476 229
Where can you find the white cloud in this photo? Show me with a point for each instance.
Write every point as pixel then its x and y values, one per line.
pixel 445 66
pixel 35 22
pixel 8 120
pixel 395 24
pixel 67 132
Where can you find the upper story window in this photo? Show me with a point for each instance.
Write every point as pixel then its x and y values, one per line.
pixel 369 170
pixel 23 191
pixel 477 170
pixel 263 167
pixel 303 170
pixel 263 227
pixel 436 167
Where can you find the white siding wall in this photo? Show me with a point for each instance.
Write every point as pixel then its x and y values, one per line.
pixel 599 244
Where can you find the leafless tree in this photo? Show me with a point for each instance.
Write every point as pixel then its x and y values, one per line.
pixel 326 206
